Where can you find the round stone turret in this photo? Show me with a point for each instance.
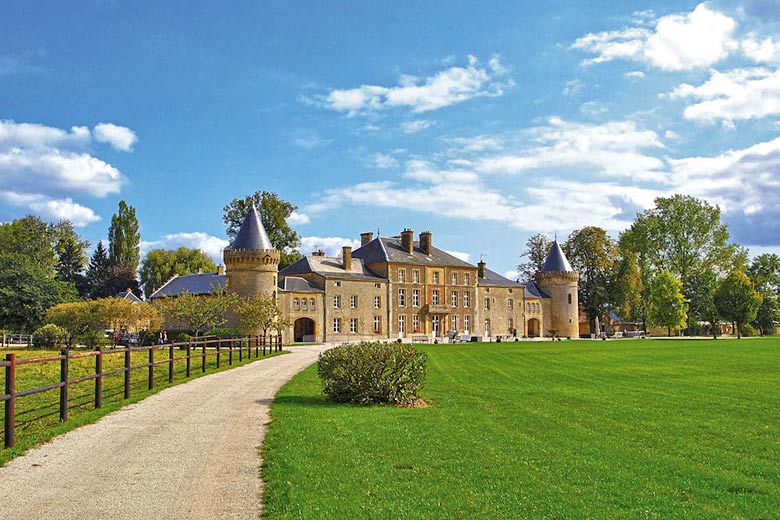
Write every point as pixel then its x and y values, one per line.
pixel 559 281
pixel 252 261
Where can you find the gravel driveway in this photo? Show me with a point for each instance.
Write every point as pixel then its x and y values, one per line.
pixel 187 452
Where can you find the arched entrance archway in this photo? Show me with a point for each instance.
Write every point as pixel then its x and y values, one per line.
pixel 303 330
pixel 533 327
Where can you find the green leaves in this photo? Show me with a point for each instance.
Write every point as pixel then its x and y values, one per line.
pixel 124 239
pixel 737 300
pixel 160 265
pixel 665 302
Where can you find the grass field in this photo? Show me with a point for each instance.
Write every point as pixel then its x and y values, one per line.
pixel 37 415
pixel 619 429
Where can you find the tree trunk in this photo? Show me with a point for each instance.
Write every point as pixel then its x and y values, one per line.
pixel 739 331
pixel 669 332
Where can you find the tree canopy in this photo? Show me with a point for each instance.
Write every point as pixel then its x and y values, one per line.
pixel 593 254
pixel 737 300
pixel 116 280
pixel 666 303
pixel 199 312
pixel 536 248
pixel 764 272
pixel 159 265
pixel 124 239
pixel 274 213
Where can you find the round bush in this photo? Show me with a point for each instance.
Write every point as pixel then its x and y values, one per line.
pixel 49 336
pixel 372 372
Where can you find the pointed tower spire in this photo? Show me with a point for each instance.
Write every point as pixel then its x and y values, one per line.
pixel 252 234
pixel 556 261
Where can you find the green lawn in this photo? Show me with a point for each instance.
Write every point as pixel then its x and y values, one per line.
pixel 579 429
pixel 37 415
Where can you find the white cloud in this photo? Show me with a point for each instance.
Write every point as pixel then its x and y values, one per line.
pixel 460 255
pixel 210 245
pixel 445 88
pixel 573 88
pixel 734 95
pixel 330 245
pixel 310 142
pixel 678 42
pixel 614 149
pixel 51 209
pixel 478 143
pixel 761 51
pixel 412 127
pixel 297 218
pixel 119 137
pixel 42 167
pixel 635 74
pixel 512 275
pixel 384 161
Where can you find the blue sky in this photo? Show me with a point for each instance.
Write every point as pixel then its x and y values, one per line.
pixel 480 122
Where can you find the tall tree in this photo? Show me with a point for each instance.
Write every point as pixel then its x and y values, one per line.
pixel 71 256
pixel 764 272
pixel 117 279
pixel 98 266
pixel 159 265
pixel 274 213
pixel 259 313
pixel 536 248
pixel 124 239
pixel 198 312
pixel 627 288
pixel 666 303
pixel 701 306
pixel 680 234
pixel 593 254
pixel 737 300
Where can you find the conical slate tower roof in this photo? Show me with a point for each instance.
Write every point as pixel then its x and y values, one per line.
pixel 252 234
pixel 556 261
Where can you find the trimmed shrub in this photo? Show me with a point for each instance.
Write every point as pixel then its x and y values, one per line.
pixel 224 333
pixel 49 336
pixel 372 373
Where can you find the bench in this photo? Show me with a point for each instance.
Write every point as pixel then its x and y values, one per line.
pixel 420 339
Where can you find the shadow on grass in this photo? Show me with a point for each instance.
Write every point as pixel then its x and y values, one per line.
pixel 319 401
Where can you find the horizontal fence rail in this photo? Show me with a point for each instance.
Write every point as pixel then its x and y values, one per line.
pixel 158 355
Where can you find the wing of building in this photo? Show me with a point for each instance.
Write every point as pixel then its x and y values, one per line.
pixel 393 287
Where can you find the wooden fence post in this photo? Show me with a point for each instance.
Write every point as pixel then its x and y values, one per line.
pixel 99 378
pixel 219 344
pixel 151 367
pixel 203 353
pixel 230 356
pixel 10 403
pixel 189 357
pixel 127 372
pixel 64 380
pixel 240 350
pixel 170 363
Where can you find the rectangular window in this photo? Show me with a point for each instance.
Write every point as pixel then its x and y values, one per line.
pixel 466 278
pixel 467 324
pixel 435 297
pixel 454 278
pixel 296 304
pixel 353 302
pixel 416 322
pixel 454 298
pixel 379 286
pixel 415 297
pixel 511 325
pixel 336 325
pixel 377 302
pixel 416 276
pixel 311 304
pixel 353 325
pixel 455 323
pixel 510 304
pixel 401 275
pixel 304 304
pixel 336 301
pixel 402 323
pixel 466 300
pixel 435 276
pixel 377 324
pixel 487 304
pixel 487 327
pixel 337 284
pixel 402 297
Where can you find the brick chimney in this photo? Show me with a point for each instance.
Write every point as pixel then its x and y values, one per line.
pixel 365 238
pixel 481 269
pixel 425 242
pixel 318 252
pixel 346 257
pixel 407 240
pixel 221 270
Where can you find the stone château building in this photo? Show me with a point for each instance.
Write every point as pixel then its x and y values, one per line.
pixel 392 287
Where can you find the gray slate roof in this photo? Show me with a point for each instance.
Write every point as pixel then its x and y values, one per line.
pixel 383 249
pixel 191 283
pixel 298 284
pixel 129 296
pixel 494 279
pixel 252 234
pixel 556 261
pixel 329 267
pixel 533 291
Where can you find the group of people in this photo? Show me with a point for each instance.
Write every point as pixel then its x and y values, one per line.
pixel 162 338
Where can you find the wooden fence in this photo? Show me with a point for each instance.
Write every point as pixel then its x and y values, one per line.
pixel 220 348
